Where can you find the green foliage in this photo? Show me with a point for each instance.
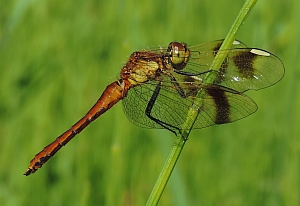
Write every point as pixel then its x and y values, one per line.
pixel 56 58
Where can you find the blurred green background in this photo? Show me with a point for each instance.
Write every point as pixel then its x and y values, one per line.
pixel 57 57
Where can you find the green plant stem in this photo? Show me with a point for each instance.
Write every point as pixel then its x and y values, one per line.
pixel 194 110
pixel 166 171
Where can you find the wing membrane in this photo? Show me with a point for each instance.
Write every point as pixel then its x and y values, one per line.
pixel 173 109
pixel 250 69
pixel 203 55
pixel 243 68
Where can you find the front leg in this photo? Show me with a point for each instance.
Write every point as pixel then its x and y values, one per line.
pixel 150 107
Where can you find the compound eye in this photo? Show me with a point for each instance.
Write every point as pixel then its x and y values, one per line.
pixel 179 54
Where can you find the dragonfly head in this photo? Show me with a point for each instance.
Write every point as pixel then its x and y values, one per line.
pixel 179 55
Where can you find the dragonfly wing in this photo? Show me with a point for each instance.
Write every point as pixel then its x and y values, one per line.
pixel 202 55
pixel 249 69
pixel 169 107
pixel 135 105
pixel 216 105
pixel 221 105
pixel 215 46
pixel 243 68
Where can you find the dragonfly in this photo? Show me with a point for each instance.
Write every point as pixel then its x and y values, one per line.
pixel 159 87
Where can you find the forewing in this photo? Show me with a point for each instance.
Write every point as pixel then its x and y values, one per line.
pixel 203 55
pixel 249 69
pixel 243 68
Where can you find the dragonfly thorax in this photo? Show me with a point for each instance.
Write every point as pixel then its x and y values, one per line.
pixel 142 67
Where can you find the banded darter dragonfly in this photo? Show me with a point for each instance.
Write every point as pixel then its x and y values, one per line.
pixel 159 86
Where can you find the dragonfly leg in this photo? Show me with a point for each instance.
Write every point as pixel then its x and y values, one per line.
pixel 150 107
pixel 191 74
pixel 178 87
